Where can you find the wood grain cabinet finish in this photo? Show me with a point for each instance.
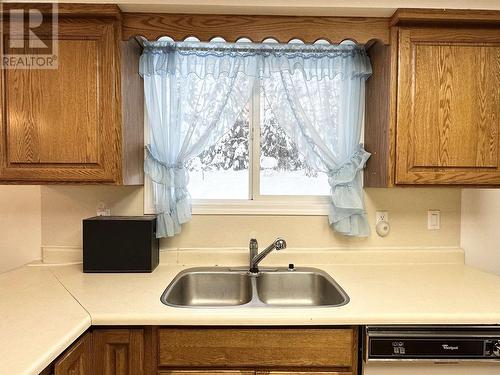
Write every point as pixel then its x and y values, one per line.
pixel 119 351
pixel 243 372
pixel 302 373
pixel 206 372
pixel 65 124
pixel 211 351
pixel 448 106
pixel 77 359
pixel 258 348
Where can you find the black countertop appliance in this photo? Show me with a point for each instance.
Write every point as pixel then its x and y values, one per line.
pixel 120 244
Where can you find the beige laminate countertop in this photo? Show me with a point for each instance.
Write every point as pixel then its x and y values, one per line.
pixel 38 320
pixel 44 309
pixel 379 294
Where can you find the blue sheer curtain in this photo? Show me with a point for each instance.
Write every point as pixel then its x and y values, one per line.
pixel 195 91
pixel 319 103
pixel 192 98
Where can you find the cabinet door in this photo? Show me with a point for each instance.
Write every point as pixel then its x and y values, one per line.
pixel 302 373
pixel 77 359
pixel 448 106
pixel 235 372
pixel 119 351
pixel 206 372
pixel 61 125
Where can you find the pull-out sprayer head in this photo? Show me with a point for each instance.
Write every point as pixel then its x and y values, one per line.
pixel 280 244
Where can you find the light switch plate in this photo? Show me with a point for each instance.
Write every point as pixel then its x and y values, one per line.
pixel 433 219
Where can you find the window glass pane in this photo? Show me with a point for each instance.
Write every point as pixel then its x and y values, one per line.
pixel 283 169
pixel 221 171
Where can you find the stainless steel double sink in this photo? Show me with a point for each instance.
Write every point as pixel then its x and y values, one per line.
pixel 271 287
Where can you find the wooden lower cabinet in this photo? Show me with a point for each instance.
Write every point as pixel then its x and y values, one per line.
pixel 113 351
pixel 206 372
pixel 234 372
pixel 211 351
pixel 118 351
pixel 269 347
pixel 77 359
pixel 302 373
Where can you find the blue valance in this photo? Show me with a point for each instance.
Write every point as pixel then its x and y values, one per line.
pixel 254 60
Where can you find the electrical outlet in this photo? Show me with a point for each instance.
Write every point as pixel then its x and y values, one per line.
pixel 381 216
pixel 102 209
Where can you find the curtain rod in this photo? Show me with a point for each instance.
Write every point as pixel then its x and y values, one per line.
pixel 245 47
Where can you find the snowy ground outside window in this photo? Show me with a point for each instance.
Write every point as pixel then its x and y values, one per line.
pixel 234 184
pixel 222 171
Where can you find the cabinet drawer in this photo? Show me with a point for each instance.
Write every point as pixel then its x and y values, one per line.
pixel 256 347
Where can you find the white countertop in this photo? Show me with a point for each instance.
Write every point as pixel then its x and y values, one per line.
pixel 379 294
pixel 38 320
pixel 44 309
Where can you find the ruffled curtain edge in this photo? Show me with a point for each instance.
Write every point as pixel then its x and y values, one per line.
pixel 349 219
pixel 256 60
pixel 172 180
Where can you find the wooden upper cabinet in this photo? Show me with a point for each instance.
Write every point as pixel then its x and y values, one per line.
pixel 66 124
pixel 448 106
pixel 433 100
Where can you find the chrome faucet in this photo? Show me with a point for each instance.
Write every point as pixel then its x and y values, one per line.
pixel 256 257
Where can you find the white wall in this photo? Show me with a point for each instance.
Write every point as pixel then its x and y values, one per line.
pixel 407 208
pixel 480 228
pixel 64 207
pixel 20 225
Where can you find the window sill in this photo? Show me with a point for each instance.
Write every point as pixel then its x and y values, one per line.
pixel 291 207
pixel 313 207
pixel 263 205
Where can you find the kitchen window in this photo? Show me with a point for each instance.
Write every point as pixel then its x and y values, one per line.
pixel 255 161
pixel 255 128
pixel 255 168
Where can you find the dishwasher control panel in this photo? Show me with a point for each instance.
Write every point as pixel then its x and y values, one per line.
pixel 432 343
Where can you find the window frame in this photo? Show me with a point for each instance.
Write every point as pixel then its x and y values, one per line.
pixel 256 204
